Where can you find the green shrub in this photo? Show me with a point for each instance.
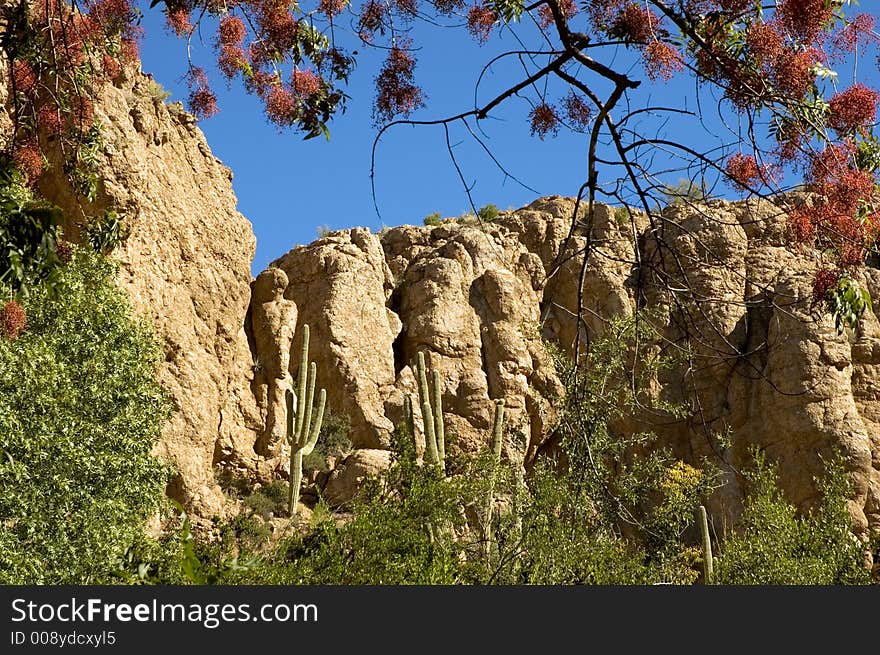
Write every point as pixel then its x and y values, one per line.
pixel 29 234
pixel 80 411
pixel 775 545
pixel 488 212
pixel 433 219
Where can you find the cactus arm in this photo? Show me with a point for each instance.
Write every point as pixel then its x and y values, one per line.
pixel 296 460
pixel 301 387
pixel 495 449
pixel 439 431
pixel 708 567
pixel 307 408
pixel 427 414
pixel 316 424
pixel 408 419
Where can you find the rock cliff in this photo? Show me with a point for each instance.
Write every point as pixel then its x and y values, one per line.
pixel 762 365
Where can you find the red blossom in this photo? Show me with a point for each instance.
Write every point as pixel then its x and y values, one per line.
pixel 635 22
pixel 305 83
pixel 202 101
pixel 823 281
pixel 372 16
pixel 764 42
pixel 24 77
pixel 577 111
pixel 49 120
pixel 178 21
pixel 792 72
pixel 279 26
pixel 853 109
pixel 448 6
pixel 331 8
pixel 396 93
pixel 111 67
pixel 545 14
pixel 801 226
pixel 804 19
pixel 744 171
pixel 231 31
pixel 231 60
pixel 858 31
pixel 29 161
pixel 406 7
pixel 480 22
pixel 735 6
pixel 662 60
pixel 543 120
pixel 12 319
pixel 281 107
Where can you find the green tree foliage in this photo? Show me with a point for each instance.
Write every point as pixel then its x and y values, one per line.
pixel 80 411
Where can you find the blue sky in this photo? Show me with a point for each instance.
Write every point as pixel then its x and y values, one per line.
pixel 289 188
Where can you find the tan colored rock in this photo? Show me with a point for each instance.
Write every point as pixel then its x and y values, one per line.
pixel 347 480
pixel 186 267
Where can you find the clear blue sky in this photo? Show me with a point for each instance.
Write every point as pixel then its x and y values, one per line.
pixel 288 187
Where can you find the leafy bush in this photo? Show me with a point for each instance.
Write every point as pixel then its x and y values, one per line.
pixel 488 212
pixel 29 233
pixel 775 545
pixel 80 411
pixel 433 219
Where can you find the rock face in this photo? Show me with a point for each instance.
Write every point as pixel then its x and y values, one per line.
pixel 764 365
pixel 186 266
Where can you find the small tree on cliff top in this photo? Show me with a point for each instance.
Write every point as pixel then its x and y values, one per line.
pixel 771 67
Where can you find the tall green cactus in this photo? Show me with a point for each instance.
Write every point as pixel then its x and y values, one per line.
pixel 432 416
pixel 708 565
pixel 302 429
pixel 495 451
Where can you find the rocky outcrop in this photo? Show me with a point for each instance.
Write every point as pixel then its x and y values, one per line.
pixel 186 266
pixel 763 365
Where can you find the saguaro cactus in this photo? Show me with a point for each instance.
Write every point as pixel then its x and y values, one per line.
pixel 302 427
pixel 708 569
pixel 495 451
pixel 432 416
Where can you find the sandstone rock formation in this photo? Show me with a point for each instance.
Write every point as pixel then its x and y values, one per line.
pixel 764 366
pixel 186 266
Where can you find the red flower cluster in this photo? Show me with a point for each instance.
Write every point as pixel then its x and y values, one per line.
pixel 662 61
pixel 12 319
pixel 202 101
pixel 823 281
pixel 406 8
pixel 371 19
pixel 858 31
pixel 231 60
pixel 480 22
pixel 804 19
pixel 231 31
pixel 544 120
pixel 49 120
pixel 23 77
pixel 792 72
pixel 396 93
pixel 305 83
pixel 577 111
pixel 331 8
pixel 764 42
pixel 744 171
pixel 545 14
pixel 279 28
pixel 635 22
pixel 281 107
pixel 29 161
pixel 852 110
pixel 448 6
pixel 178 21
